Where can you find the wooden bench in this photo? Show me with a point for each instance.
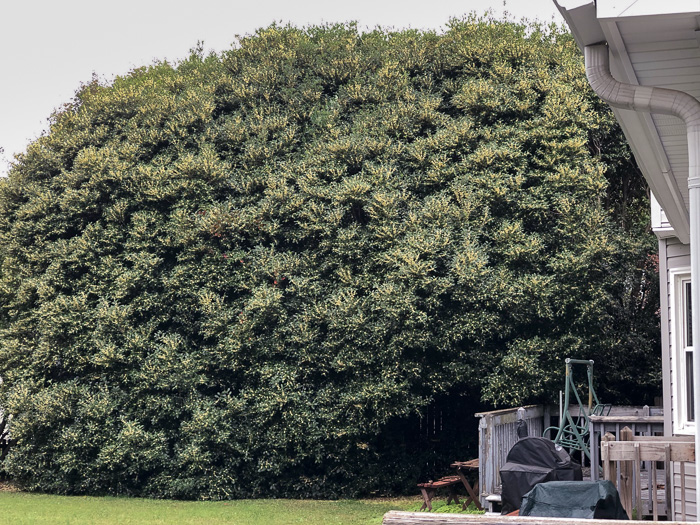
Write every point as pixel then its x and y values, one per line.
pixel 495 503
pixel 429 489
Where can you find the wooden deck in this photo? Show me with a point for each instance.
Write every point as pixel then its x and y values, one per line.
pixel 497 435
pixel 422 518
pixel 646 508
pixel 641 467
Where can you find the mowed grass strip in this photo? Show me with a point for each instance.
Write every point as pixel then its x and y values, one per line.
pixel 22 508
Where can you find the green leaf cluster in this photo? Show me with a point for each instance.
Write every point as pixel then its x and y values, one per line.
pixel 231 276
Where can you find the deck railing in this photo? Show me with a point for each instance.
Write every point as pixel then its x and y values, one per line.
pixel 641 468
pixel 497 434
pixel 643 421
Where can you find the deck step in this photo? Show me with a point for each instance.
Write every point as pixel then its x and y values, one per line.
pixel 493 502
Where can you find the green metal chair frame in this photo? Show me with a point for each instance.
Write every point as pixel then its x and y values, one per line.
pixel 574 432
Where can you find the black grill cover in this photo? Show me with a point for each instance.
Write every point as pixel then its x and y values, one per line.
pixel 534 460
pixel 574 499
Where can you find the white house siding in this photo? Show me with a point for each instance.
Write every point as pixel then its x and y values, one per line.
pixel 673 255
pixel 690 499
pixel 664 312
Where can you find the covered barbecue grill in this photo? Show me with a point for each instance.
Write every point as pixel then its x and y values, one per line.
pixel 534 460
pixel 574 499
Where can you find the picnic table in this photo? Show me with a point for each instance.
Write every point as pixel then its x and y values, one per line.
pixel 429 489
pixel 473 490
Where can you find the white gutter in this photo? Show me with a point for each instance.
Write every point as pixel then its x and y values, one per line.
pixel 679 104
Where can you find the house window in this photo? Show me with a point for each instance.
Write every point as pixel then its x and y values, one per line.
pixel 682 307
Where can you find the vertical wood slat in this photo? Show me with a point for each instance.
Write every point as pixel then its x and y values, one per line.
pixel 619 470
pixel 594 449
pixel 626 476
pixel 654 495
pixel 669 487
pixel 638 479
pixel 683 490
pixel 607 465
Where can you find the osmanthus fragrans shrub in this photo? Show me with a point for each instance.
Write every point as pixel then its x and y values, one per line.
pixel 232 276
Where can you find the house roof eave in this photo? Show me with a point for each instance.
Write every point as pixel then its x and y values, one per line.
pixel 639 128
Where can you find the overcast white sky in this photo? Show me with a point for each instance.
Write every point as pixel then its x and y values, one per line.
pixel 48 47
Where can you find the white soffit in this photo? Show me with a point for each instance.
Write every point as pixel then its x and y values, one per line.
pixel 620 8
pixel 651 50
pixel 661 51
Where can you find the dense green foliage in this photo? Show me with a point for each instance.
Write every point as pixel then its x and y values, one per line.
pixel 242 274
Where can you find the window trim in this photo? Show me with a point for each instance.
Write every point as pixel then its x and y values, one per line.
pixel 678 279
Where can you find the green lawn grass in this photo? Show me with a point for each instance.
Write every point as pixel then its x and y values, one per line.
pixel 18 508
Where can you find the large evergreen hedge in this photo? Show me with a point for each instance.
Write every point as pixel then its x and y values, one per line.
pixel 237 275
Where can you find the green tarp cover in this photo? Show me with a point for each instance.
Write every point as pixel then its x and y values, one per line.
pixel 574 499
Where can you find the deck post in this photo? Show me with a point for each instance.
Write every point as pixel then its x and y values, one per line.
pixel 670 514
pixel 609 471
pixel 627 478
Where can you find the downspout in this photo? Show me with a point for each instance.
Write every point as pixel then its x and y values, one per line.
pixel 681 105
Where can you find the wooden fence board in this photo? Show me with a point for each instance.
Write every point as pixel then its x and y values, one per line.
pixel 649 451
